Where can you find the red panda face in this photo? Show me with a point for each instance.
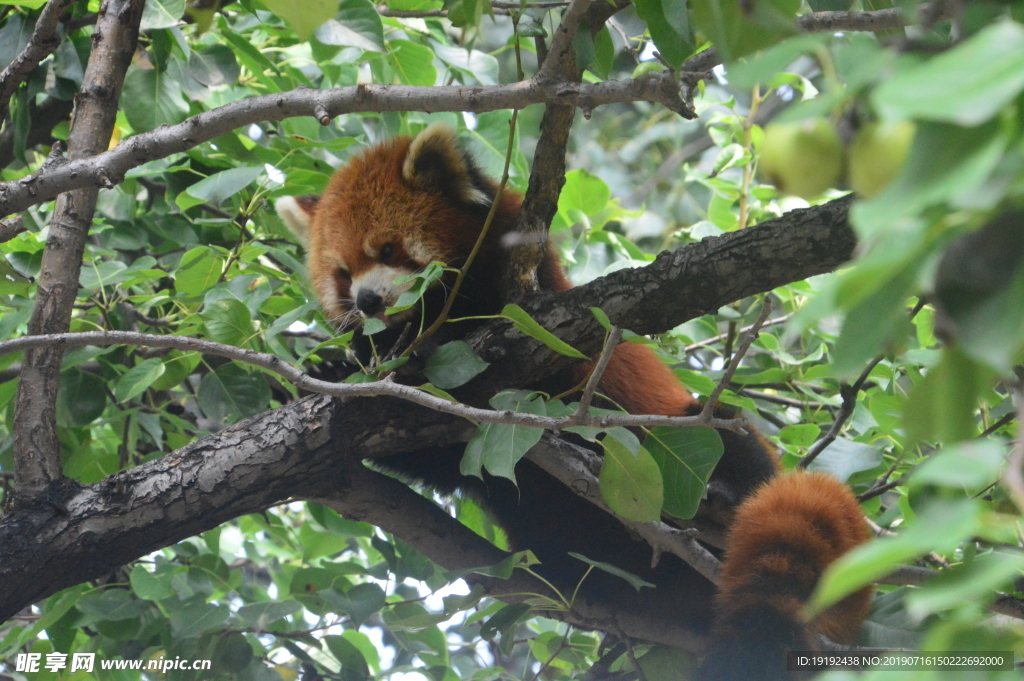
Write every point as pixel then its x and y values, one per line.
pixel 390 211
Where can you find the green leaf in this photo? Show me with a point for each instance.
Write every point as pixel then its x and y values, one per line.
pixel 631 484
pixel 197 617
pixel 219 187
pixel 213 65
pixel 531 328
pixel 668 22
pixel 81 398
pixel 873 322
pixel 582 192
pixel 801 435
pixel 941 406
pixel 765 66
pixel 305 16
pixel 986 72
pixel 940 527
pixel 980 285
pixel 348 655
pixel 453 364
pixel 976 582
pixel 150 586
pixel 503 620
pixel 261 615
pixel 969 466
pixel 227 321
pixel 12 283
pixel 112 604
pixel 844 457
pixel 634 581
pixel 357 24
pixel 135 381
pixel 686 458
pixel 497 447
pixel 359 602
pixel 604 53
pixel 161 14
pixel 737 28
pixel 230 394
pixel 152 98
pixel 177 366
pixel 198 271
pixel 413 62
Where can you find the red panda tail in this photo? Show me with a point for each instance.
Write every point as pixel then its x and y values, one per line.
pixel 783 538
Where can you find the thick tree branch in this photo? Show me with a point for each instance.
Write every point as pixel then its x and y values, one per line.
pixel 109 168
pixel 48 546
pixel 44 41
pixel 824 22
pixel 678 286
pixel 36 449
pixel 548 173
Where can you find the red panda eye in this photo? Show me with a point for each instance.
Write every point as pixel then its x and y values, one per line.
pixel 343 274
pixel 386 252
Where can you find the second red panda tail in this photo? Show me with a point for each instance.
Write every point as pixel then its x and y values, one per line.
pixel 782 540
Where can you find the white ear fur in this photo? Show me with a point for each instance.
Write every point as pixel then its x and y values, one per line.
pixel 436 162
pixel 294 216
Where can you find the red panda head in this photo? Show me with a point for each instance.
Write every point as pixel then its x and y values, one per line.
pixel 390 211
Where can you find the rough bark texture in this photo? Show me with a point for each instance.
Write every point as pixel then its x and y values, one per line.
pixel 36 450
pixel 44 41
pixel 109 168
pixel 288 452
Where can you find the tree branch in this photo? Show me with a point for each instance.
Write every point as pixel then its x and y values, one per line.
pixel 108 169
pixel 282 453
pixel 36 449
pixel 44 41
pixel 385 387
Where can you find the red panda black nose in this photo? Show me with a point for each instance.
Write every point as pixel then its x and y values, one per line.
pixel 369 303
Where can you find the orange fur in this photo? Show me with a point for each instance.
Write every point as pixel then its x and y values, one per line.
pixel 423 199
pixel 782 540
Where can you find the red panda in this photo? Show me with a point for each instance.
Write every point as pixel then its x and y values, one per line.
pixel 407 202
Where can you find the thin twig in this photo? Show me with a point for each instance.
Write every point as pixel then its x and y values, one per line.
pixel 748 338
pixel 1006 418
pixel 1014 475
pixel 632 658
pixel 561 42
pixel 387 387
pixel 783 400
pixel 715 339
pixel 849 394
pixel 614 338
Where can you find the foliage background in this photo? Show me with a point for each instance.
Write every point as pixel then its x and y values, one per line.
pixel 186 245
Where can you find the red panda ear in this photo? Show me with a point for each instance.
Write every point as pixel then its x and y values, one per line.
pixel 437 163
pixel 297 212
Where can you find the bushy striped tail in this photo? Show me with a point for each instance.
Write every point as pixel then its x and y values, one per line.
pixel 782 540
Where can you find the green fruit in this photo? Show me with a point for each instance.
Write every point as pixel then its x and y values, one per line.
pixel 803 158
pixel 877 154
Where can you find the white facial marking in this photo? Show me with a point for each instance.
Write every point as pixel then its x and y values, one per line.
pixel 294 217
pixel 420 252
pixel 381 280
pixel 370 251
pixel 474 195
